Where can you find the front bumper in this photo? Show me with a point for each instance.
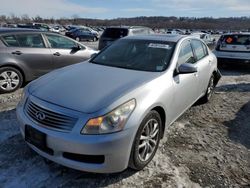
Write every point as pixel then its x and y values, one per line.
pixel 114 147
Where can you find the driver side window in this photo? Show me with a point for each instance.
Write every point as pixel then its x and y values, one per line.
pixel 56 41
pixel 186 54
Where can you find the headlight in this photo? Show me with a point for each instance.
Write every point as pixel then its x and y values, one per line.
pixel 112 122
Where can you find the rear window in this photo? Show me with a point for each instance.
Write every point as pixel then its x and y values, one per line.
pixel 30 40
pixel 115 33
pixel 237 39
pixel 10 40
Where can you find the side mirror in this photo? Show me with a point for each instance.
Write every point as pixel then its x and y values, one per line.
pixel 186 68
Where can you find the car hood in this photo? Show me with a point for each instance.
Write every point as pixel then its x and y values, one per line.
pixel 88 87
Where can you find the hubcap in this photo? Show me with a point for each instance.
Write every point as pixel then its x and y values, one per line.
pixel 9 80
pixel 148 140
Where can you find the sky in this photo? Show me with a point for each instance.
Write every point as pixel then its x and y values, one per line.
pixel 108 9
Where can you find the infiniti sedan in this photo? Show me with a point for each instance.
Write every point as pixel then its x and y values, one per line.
pixel 110 113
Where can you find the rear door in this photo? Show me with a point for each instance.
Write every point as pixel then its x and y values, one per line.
pixel 64 51
pixel 203 64
pixel 29 49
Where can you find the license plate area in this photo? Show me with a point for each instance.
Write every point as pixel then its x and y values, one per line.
pixel 37 138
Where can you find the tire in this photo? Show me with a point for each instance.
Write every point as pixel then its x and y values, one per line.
pixel 11 79
pixel 78 39
pixel 209 91
pixel 138 160
pixel 95 39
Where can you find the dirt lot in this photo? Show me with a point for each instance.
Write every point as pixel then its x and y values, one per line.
pixel 209 146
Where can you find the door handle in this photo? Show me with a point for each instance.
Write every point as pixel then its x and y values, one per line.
pixel 17 53
pixel 56 54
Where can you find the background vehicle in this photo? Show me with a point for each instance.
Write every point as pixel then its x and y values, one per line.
pixel 233 47
pixel 80 34
pixel 28 54
pixel 206 37
pixel 175 31
pixel 111 34
pixel 117 105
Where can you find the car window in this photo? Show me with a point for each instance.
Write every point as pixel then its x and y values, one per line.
pixel 10 40
pixel 205 48
pixel 56 41
pixel 30 40
pixel 186 53
pixel 115 33
pixel 140 31
pixel 198 49
pixel 237 39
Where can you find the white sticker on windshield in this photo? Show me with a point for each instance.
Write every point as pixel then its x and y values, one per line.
pixel 158 45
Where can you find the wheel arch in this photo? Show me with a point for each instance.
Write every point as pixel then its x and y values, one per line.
pixel 16 67
pixel 162 114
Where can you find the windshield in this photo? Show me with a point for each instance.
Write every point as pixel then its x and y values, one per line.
pixel 143 55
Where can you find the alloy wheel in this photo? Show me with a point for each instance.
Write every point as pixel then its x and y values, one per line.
pixel 9 80
pixel 148 140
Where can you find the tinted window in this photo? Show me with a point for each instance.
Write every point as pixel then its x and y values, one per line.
pixel 198 49
pixel 205 49
pixel 10 40
pixel 141 55
pixel 115 33
pixel 60 42
pixel 30 40
pixel 236 39
pixel 186 53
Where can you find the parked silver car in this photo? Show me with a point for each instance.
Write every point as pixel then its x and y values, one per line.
pixel 233 48
pixel 111 112
pixel 26 54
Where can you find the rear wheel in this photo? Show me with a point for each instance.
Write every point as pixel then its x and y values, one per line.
pixel 209 91
pixel 95 39
pixel 146 141
pixel 78 39
pixel 10 79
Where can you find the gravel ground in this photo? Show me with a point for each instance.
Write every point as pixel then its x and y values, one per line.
pixel 209 146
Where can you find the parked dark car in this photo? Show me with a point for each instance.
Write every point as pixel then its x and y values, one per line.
pixel 27 54
pixel 81 34
pixel 111 34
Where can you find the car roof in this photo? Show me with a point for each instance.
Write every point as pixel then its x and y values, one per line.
pixel 127 27
pixel 158 37
pixel 17 30
pixel 246 33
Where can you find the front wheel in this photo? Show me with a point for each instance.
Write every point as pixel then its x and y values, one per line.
pixel 146 141
pixel 10 79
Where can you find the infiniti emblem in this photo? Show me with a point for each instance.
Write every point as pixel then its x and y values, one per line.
pixel 40 115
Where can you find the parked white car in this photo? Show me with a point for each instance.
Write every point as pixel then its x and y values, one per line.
pixel 234 47
pixel 207 38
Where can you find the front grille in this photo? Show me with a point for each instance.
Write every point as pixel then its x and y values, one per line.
pixel 93 159
pixel 48 118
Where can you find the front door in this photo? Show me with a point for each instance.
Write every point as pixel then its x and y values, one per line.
pixel 65 52
pixel 185 85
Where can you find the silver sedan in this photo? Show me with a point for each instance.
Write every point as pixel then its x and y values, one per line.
pixel 111 112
